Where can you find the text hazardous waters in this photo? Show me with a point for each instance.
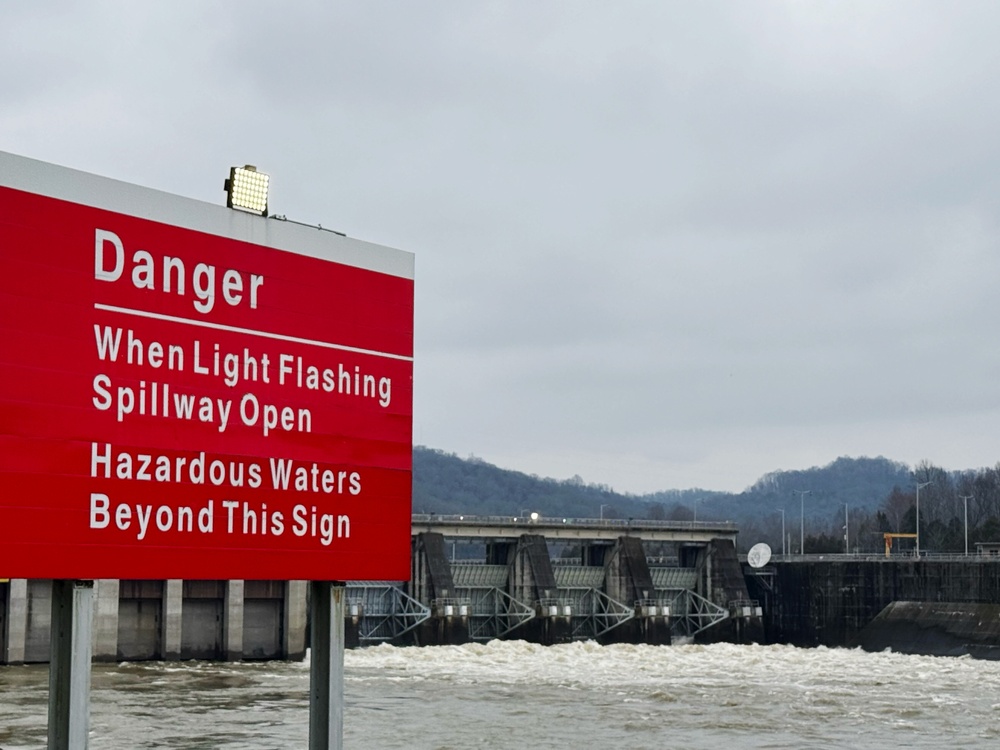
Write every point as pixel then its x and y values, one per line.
pixel 191 392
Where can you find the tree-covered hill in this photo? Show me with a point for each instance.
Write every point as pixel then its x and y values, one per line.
pixel 445 483
pixel 876 494
pixel 818 492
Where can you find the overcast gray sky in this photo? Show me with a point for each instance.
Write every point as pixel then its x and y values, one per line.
pixel 658 244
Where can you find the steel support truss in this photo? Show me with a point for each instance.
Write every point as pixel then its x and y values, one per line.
pixel 384 611
pixel 690 612
pixel 494 613
pixel 595 613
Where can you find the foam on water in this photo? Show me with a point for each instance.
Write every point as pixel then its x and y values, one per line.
pixel 504 694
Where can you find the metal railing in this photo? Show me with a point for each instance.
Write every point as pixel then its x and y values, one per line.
pixel 652 608
pixel 880 557
pixel 745 608
pixel 598 523
pixel 451 607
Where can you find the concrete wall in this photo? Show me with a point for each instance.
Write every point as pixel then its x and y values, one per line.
pixel 144 620
pixel 37 622
pixel 829 603
pixel 294 618
pixel 263 622
pixel 140 623
pixel 4 586
pixel 105 636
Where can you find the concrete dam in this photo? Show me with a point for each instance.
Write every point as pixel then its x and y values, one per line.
pixel 941 605
pixel 546 581
pixel 473 579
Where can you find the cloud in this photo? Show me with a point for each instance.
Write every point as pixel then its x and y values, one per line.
pixel 658 244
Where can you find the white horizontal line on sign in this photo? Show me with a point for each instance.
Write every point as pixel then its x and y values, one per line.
pixel 248 331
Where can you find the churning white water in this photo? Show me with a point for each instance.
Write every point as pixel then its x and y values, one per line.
pixel 516 694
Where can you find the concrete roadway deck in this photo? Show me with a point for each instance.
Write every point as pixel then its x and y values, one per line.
pixel 609 529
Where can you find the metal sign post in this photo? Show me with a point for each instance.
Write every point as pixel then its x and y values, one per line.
pixel 69 667
pixel 326 673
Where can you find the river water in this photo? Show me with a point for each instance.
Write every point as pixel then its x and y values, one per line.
pixel 515 694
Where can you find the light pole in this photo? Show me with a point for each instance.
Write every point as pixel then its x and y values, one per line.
pixel 924 484
pixel 782 512
pixel 602 510
pixel 965 500
pixel 700 499
pixel 847 533
pixel 802 519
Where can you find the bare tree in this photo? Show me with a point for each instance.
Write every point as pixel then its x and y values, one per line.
pixel 896 506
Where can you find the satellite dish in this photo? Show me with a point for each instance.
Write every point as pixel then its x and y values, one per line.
pixel 759 555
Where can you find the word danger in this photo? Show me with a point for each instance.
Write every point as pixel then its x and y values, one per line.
pixel 173 277
pixel 236 517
